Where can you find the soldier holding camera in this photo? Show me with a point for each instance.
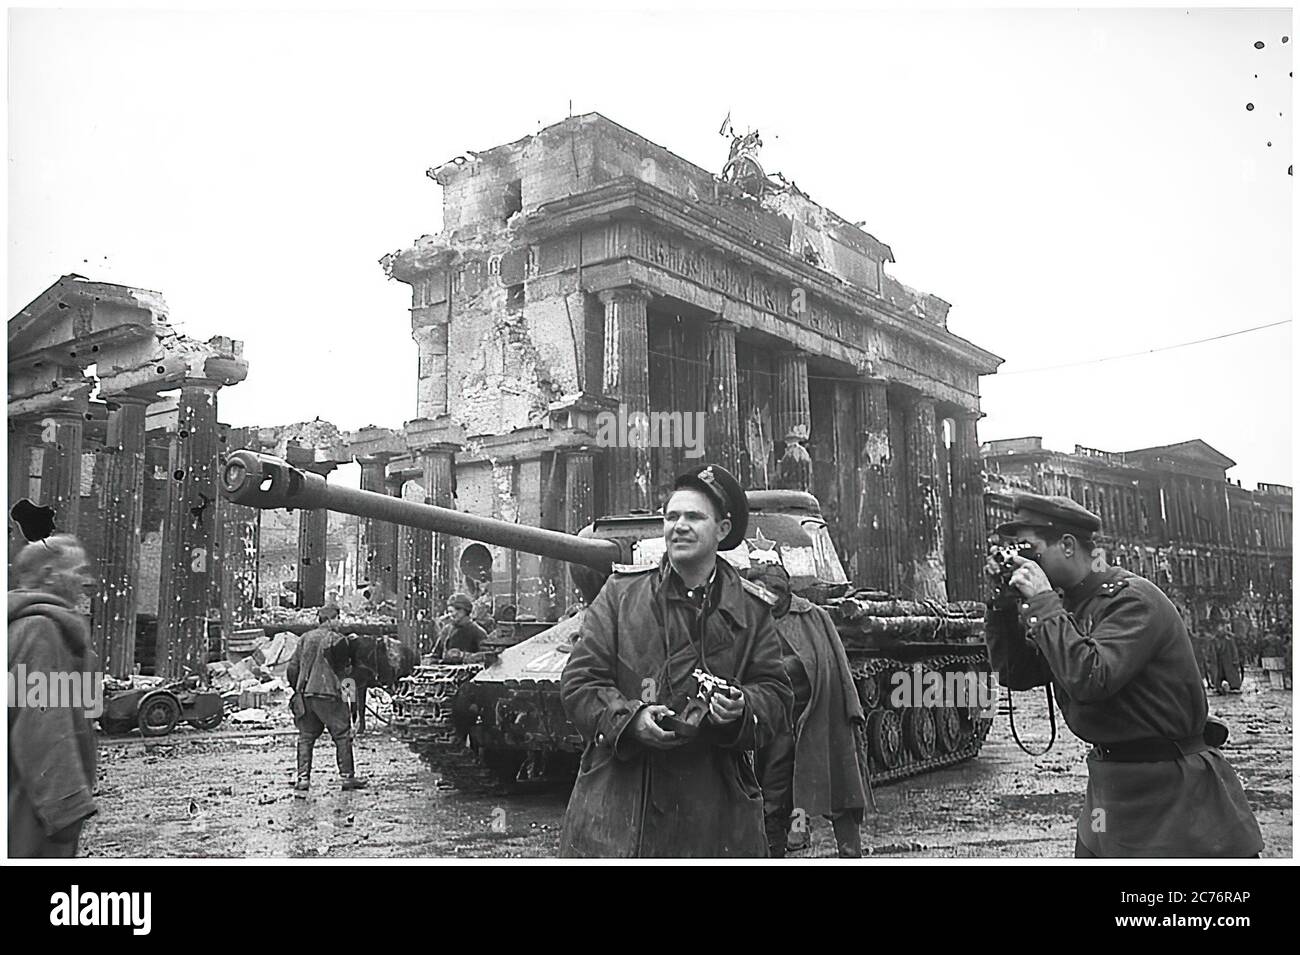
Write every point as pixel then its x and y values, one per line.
pixel 674 680
pixel 1123 669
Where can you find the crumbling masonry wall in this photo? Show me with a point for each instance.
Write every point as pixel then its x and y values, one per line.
pixel 585 269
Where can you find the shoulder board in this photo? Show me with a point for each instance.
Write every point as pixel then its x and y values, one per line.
pixel 759 591
pixel 800 604
pixel 1112 587
pixel 632 568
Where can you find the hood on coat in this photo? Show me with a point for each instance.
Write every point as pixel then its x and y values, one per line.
pixel 34 603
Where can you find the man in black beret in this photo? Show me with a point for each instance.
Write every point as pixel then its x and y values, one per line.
pixel 651 783
pixel 1122 666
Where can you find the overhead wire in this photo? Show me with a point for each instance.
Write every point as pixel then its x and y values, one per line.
pixel 1138 354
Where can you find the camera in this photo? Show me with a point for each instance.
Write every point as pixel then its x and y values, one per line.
pixel 692 714
pixel 1002 554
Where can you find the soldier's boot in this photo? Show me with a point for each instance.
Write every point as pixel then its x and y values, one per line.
pixel 303 782
pixel 343 750
pixel 848 838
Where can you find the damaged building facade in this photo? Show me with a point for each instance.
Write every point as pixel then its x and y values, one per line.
pixel 587 279
pixel 1170 514
pixel 596 316
pixel 113 427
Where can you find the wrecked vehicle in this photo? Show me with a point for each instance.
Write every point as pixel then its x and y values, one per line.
pixel 157 710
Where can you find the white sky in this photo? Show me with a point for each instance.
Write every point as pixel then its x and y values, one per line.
pixel 1078 184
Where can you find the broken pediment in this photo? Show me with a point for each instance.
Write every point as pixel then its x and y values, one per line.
pixel 75 320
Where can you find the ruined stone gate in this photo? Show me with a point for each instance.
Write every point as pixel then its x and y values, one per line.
pixel 584 276
pixel 585 271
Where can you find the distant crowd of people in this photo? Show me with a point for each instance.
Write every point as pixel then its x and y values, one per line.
pixel 1223 657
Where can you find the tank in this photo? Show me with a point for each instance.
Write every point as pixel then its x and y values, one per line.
pixel 501 723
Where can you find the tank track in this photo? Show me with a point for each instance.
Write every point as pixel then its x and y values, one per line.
pixel 896 743
pixel 424 719
pixel 893 746
pixel 461 768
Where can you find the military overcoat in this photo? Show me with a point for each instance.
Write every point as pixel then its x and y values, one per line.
pixel 1123 670
pixel 638 644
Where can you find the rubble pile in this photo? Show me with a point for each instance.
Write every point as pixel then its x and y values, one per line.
pixel 305 618
pixel 255 688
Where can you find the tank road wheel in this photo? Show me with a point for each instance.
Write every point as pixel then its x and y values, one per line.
pixel 885 735
pixel 869 692
pixel 158 715
pixel 919 731
pixel 948 729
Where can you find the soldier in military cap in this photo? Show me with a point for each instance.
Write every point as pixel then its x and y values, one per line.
pixel 646 787
pixel 464 637
pixel 1122 666
pixel 814 768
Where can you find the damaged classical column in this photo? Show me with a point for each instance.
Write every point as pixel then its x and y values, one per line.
pixel 378 548
pixel 415 613
pixel 60 440
pixel 794 470
pixel 925 520
pixel 438 462
pixel 553 597
pixel 433 445
pixel 22 436
pixel 313 539
pixel 627 378
pixel 48 406
pixel 877 504
pixel 968 530
pixel 722 427
pixel 238 541
pixel 579 505
pixel 431 344
pixel 188 534
pixel 113 615
pixel 373 448
pixel 313 533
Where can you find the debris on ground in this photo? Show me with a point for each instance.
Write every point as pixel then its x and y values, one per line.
pixel 275 617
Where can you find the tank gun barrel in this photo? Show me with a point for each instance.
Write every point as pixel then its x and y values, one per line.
pixel 267 482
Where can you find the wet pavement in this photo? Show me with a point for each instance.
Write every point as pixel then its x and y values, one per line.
pixel 227 794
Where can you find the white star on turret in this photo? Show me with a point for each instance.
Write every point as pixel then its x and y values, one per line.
pixel 762 550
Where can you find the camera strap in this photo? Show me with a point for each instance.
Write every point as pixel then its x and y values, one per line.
pixel 1051 718
pixel 696 623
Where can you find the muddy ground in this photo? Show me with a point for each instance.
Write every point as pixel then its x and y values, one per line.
pixel 226 794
